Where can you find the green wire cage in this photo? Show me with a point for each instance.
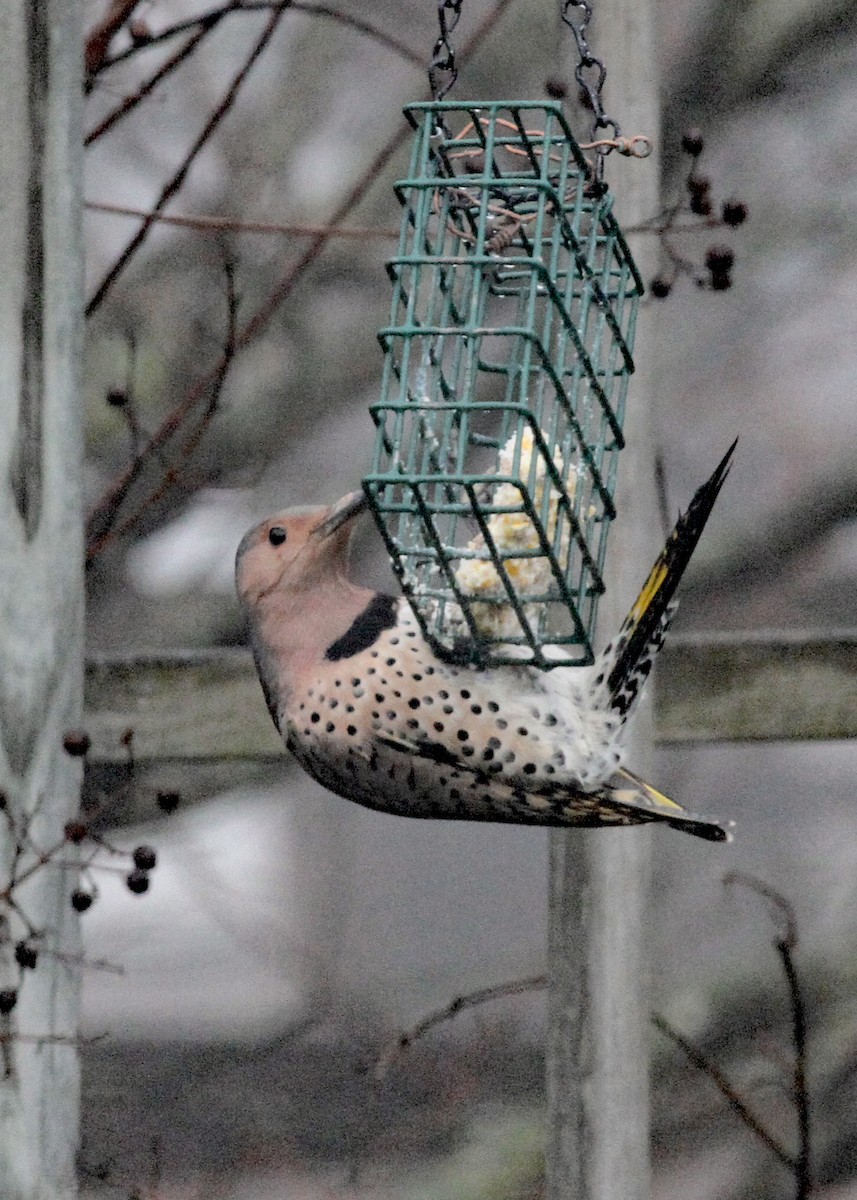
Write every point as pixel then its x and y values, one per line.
pixel 506 366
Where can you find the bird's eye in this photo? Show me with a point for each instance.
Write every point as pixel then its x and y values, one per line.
pixel 276 535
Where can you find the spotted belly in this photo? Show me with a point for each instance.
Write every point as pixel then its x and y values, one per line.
pixel 389 780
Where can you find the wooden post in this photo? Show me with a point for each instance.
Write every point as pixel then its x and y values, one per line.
pixel 597 1062
pixel 41 583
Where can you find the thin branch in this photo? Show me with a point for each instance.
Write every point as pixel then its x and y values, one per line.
pixel 358 24
pixel 130 102
pixel 724 1086
pixel 104 513
pixel 179 177
pixel 213 16
pixel 205 224
pixel 801 1093
pixel 782 907
pixel 173 472
pixel 100 36
pixel 404 1041
pixel 286 285
pixel 785 946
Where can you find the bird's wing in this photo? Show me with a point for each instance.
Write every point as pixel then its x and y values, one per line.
pixel 624 799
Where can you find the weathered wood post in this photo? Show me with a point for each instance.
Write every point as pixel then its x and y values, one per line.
pixel 41 582
pixel 598 1037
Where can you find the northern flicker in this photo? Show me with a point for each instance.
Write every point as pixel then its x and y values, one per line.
pixel 372 711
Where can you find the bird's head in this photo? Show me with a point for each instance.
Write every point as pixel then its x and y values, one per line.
pixel 296 550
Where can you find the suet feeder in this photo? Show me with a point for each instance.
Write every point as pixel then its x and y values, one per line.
pixel 506 366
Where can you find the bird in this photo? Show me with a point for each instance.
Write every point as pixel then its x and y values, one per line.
pixel 378 715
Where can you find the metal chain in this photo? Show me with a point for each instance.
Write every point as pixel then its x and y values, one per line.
pixel 443 56
pixel 590 74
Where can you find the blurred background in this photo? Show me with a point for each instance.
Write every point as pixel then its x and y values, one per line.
pixel 288 935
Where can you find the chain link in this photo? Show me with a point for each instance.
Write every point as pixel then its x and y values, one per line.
pixel 443 56
pixel 590 74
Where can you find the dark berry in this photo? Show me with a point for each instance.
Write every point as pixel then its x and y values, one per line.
pixel 700 204
pixel 26 956
pixel 721 281
pixel 8 1000
pixel 144 857
pixel 555 88
pixel 693 142
pixel 81 901
pixel 139 31
pixel 660 287
pixel 76 742
pixel 127 738
pixel 734 212
pixel 699 185
pixel 117 397
pixel 719 259
pixel 138 881
pixel 168 801
pixel 75 832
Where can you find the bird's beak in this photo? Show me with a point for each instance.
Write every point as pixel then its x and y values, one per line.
pixel 343 513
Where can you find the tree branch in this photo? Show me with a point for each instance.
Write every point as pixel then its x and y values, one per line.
pixel 358 24
pixel 209 224
pixel 725 1088
pixel 172 472
pixel 130 102
pixel 104 513
pixel 785 945
pixel 404 1041
pixel 100 36
pixel 179 177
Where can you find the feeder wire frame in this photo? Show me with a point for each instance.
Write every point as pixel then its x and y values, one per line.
pixel 512 327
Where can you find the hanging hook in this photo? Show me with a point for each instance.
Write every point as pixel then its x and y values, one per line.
pixel 443 55
pixel 590 74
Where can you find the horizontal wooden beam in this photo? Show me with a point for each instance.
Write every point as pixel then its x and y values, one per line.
pixel 195 705
pixel 208 706
pixel 765 686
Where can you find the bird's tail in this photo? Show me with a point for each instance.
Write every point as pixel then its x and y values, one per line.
pixel 627 661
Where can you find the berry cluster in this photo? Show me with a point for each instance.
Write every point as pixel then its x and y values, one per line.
pixel 77 743
pixel 28 858
pixel 697 202
pixel 143 859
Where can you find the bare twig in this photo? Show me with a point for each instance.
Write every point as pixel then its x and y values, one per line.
pixel 179 177
pixel 105 511
pixel 404 1041
pixel 205 23
pixel 130 102
pixel 284 288
pixel 197 23
pixel 186 450
pixel 785 945
pixel 100 36
pixel 783 909
pixel 209 224
pixel 722 1084
pixel 800 1093
pixel 358 24
pixel 797 1164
